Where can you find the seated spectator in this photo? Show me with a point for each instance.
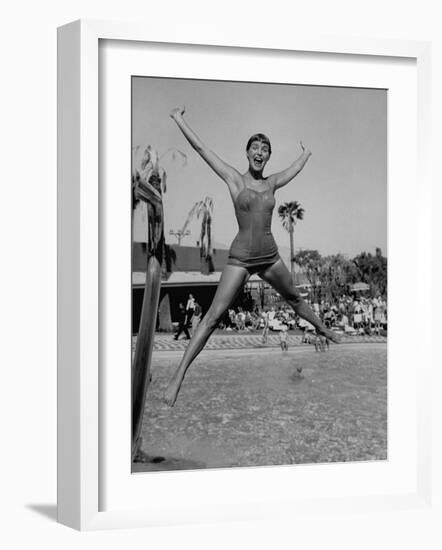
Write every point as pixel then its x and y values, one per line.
pixel 232 319
pixel 343 321
pixel 240 319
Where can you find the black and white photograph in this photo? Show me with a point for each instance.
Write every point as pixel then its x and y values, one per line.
pixel 259 274
pixel 220 282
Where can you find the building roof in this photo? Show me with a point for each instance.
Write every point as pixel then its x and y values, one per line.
pixel 185 278
pixel 185 265
pixel 181 258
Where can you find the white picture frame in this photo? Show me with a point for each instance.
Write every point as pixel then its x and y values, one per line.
pixel 79 296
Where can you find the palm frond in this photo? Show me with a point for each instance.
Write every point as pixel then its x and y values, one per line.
pixel 205 209
pixel 190 215
pixel 164 180
pixel 154 158
pixel 290 213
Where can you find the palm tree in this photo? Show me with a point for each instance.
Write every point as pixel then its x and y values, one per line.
pixel 204 210
pixel 290 213
pixel 201 209
pixel 312 265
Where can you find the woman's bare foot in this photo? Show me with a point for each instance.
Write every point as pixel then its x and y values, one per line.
pixel 171 393
pixel 330 335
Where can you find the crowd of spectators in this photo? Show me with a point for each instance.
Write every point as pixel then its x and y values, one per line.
pixel 354 314
pixel 349 315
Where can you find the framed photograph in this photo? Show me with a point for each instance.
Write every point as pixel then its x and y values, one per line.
pixel 234 219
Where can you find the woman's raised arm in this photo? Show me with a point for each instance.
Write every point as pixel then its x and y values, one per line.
pixel 282 178
pixel 231 176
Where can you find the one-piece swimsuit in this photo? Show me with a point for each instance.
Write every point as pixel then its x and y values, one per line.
pixel 254 246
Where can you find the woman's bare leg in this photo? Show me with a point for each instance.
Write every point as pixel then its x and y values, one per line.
pixel 280 278
pixel 232 280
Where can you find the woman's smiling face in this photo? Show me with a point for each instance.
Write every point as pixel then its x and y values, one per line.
pixel 258 155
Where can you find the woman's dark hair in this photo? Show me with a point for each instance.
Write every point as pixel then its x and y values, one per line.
pixel 259 137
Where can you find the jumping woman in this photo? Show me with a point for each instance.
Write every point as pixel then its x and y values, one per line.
pixel 254 249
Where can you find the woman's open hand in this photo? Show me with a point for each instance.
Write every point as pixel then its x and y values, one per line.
pixel 177 112
pixel 304 149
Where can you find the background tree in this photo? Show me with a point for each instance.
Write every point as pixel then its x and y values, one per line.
pixel 337 273
pixel 201 209
pixel 372 269
pixel 311 263
pixel 290 213
pixel 331 276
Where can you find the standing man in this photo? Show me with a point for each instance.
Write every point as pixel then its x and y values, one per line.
pixel 182 323
pixel 190 309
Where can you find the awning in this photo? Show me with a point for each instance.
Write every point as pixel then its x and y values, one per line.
pixel 359 287
pixel 185 278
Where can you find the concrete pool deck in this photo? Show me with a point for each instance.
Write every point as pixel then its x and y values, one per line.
pixel 247 340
